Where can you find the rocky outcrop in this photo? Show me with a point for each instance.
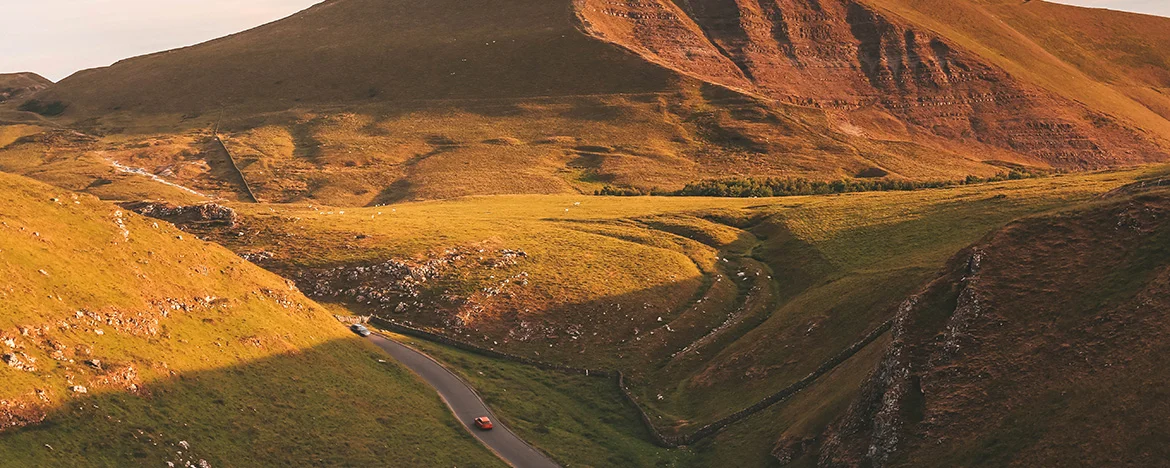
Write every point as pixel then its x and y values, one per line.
pixel 870 431
pixel 206 213
pixel 420 289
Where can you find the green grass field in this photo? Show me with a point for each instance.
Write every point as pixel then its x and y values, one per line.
pixel 758 292
pixel 830 269
pixel 584 421
pixel 579 420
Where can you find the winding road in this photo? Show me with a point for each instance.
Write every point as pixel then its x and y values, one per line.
pixel 466 405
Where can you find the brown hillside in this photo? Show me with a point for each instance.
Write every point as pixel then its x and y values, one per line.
pixel 870 68
pixel 357 51
pixel 126 342
pixel 1113 62
pixel 15 85
pixel 1044 346
pixel 358 102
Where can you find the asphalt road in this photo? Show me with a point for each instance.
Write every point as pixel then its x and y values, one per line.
pixel 466 405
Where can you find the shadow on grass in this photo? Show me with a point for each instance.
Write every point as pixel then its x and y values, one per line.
pixel 331 405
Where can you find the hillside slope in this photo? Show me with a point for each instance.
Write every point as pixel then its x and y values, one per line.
pixel 356 102
pixel 1113 62
pixel 126 342
pixel 15 85
pixel 354 51
pixel 890 75
pixel 15 89
pixel 1044 345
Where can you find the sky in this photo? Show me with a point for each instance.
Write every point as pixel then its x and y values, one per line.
pixel 56 38
pixel 1152 7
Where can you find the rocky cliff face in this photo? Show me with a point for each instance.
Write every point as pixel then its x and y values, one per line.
pixel 868 68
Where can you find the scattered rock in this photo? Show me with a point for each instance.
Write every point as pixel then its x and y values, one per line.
pixel 257 256
pixel 206 213
pixel 22 362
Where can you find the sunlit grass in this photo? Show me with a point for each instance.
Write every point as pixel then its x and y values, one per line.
pixel 242 367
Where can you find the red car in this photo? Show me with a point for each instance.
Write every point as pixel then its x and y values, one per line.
pixel 483 423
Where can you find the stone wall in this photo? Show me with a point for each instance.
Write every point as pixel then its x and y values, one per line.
pixel 658 437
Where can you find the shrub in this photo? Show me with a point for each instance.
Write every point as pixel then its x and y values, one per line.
pixel 783 187
pixel 47 109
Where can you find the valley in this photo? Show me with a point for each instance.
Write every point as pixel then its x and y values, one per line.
pixel 939 239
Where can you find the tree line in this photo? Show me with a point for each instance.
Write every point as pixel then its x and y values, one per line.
pixel 785 187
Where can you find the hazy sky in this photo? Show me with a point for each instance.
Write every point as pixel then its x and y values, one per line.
pixel 1153 7
pixel 58 37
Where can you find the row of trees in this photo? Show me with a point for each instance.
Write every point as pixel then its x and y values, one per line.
pixel 784 187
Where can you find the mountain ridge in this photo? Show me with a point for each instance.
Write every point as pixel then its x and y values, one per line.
pixel 674 91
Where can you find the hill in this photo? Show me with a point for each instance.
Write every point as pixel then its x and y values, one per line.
pixel 15 85
pixel 15 89
pixel 879 64
pixel 1032 349
pixel 125 341
pixel 356 102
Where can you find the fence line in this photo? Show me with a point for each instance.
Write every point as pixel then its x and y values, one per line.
pixel 236 168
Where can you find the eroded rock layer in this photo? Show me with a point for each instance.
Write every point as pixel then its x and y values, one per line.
pixel 852 60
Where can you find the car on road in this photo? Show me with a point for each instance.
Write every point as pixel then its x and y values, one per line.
pixel 360 329
pixel 483 423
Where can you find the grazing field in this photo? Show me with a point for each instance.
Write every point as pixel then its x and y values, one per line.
pixel 126 341
pixel 708 304
pixel 579 420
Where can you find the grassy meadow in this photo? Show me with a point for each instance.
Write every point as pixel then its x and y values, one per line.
pixel 640 279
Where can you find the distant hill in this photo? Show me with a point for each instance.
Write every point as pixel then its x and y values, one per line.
pixel 374 101
pixel 359 51
pixel 15 85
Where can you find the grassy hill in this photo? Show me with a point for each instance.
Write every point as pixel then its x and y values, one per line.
pixel 434 163
pixel 126 341
pixel 357 51
pixel 1114 62
pixel 15 91
pixel 15 85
